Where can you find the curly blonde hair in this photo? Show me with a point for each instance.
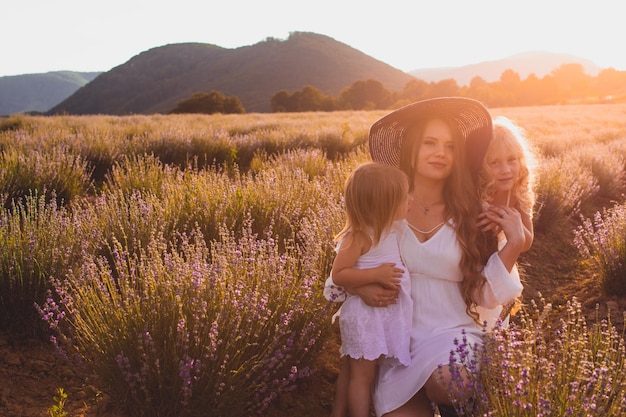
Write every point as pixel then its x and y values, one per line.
pixel 511 137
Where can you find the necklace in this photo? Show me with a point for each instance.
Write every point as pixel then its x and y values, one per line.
pixel 425 232
pixel 427 207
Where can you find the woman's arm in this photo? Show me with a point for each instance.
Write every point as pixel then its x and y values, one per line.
pixel 372 294
pixel 375 295
pixel 344 274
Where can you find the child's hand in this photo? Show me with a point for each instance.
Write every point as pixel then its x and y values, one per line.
pixel 510 221
pixel 388 275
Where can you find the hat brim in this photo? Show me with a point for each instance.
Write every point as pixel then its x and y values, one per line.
pixel 472 118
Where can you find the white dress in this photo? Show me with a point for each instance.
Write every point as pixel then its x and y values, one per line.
pixel 490 316
pixel 369 332
pixel 438 312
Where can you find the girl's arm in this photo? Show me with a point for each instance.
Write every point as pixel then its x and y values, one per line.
pixel 343 271
pixel 503 282
pixel 510 221
pixel 529 233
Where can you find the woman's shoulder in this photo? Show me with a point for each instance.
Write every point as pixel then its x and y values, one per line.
pixel 399 228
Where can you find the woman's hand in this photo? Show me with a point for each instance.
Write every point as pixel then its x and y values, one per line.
pixel 375 295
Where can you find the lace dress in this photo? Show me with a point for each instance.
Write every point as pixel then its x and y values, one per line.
pixel 369 332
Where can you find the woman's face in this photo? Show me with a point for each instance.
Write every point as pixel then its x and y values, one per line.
pixel 435 155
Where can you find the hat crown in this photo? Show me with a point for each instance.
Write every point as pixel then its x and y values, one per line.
pixel 472 118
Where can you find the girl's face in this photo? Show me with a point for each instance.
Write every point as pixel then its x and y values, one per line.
pixel 503 167
pixel 435 156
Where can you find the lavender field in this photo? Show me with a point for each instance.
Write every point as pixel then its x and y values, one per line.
pixel 178 260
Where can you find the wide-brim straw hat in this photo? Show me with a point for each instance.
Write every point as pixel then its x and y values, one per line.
pixel 471 116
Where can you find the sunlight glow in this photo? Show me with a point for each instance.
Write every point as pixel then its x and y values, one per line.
pixel 43 36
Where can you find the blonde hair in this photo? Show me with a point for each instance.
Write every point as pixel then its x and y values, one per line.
pixel 508 135
pixel 462 205
pixel 373 193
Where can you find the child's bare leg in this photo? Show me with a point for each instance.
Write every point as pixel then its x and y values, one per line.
pixel 362 374
pixel 340 402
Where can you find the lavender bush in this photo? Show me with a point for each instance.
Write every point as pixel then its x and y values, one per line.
pixel 279 193
pixel 191 330
pixel 38 239
pixel 260 304
pixel 144 173
pixel 602 242
pixel 540 366
pixel 607 168
pixel 563 186
pixel 67 175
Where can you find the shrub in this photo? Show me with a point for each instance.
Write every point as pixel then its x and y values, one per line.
pixel 193 331
pixel 12 123
pixel 607 167
pixel 209 103
pixel 277 198
pixel 38 240
pixel 132 218
pixel 144 173
pixel 147 198
pixel 602 241
pixel 540 367
pixel 563 186
pixel 64 173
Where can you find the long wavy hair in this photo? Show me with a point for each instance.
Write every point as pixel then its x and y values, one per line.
pixel 462 206
pixel 511 137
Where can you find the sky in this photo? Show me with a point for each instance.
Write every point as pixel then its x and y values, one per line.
pixel 51 35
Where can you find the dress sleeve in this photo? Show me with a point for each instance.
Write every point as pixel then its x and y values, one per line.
pixel 333 292
pixel 502 286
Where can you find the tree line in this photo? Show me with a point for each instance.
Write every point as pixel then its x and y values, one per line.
pixel 565 85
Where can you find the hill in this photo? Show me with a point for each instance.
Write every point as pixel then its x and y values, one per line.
pixel 538 63
pixel 39 92
pixel 155 80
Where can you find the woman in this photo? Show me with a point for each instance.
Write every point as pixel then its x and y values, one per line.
pixel 440 144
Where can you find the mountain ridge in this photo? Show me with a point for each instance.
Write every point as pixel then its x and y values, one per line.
pixel 252 73
pixel 39 92
pixel 539 63
pixel 155 80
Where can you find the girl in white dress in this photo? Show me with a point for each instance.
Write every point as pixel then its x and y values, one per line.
pixel 376 200
pixel 506 178
pixel 454 266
